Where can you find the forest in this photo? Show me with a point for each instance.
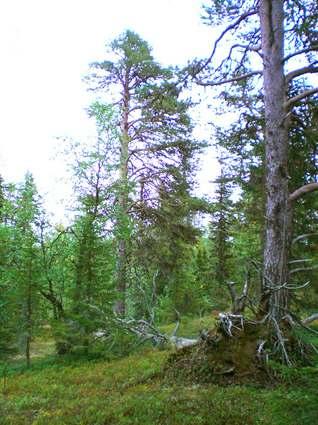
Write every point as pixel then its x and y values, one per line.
pixel 154 304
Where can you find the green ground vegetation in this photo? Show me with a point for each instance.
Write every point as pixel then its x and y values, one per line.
pixel 134 390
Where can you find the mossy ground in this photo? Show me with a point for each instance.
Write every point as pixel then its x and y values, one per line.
pixel 231 360
pixel 133 390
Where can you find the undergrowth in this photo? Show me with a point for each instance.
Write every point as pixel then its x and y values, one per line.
pixel 133 390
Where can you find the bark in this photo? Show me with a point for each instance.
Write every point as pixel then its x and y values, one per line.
pixel 276 151
pixel 120 305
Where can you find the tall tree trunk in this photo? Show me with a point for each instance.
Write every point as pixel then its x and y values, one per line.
pixel 276 152
pixel 120 305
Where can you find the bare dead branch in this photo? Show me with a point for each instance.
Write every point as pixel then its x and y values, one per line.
pixel 229 28
pixel 143 330
pixel 310 319
pixel 304 236
pixel 307 188
pixel 281 342
pixel 179 342
pixel 291 287
pixel 305 260
pixel 303 269
pixel 229 80
pixel 261 351
pixel 228 321
pixel 290 102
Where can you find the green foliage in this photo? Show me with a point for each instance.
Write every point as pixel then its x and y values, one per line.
pixel 19 266
pixel 134 197
pixel 156 167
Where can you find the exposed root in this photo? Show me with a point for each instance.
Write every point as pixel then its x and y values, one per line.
pixel 261 353
pixel 239 351
pixel 229 321
pixel 280 343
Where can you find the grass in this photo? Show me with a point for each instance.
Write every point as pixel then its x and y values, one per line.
pixel 133 390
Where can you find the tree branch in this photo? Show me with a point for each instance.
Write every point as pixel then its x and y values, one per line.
pixel 290 102
pixel 310 69
pixel 313 48
pixel 303 269
pixel 307 188
pixel 310 319
pixel 231 27
pixel 300 237
pixel 247 47
pixel 229 80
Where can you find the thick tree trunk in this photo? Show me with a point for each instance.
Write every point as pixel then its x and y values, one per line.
pixel 276 151
pixel 120 305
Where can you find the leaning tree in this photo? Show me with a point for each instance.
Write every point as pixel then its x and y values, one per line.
pixel 273 44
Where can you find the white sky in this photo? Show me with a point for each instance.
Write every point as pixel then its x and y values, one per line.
pixel 45 49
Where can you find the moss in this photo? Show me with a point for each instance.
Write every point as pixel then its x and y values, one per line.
pixel 136 390
pixel 132 391
pixel 232 360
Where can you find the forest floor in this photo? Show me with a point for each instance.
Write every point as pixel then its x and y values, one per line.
pixel 133 390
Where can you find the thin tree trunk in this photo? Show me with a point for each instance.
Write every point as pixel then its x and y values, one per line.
pixel 120 305
pixel 28 320
pixel 276 153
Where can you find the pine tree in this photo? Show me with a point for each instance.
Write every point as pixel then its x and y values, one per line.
pixel 154 130
pixel 277 32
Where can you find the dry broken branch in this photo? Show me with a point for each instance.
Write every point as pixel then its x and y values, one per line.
pixel 310 319
pixel 304 236
pixel 228 321
pixel 303 269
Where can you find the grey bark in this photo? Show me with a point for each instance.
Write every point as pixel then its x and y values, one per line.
pixel 276 152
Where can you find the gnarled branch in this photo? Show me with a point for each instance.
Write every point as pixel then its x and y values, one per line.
pixel 229 28
pixel 307 188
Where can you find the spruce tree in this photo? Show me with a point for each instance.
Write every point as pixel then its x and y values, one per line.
pixel 26 273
